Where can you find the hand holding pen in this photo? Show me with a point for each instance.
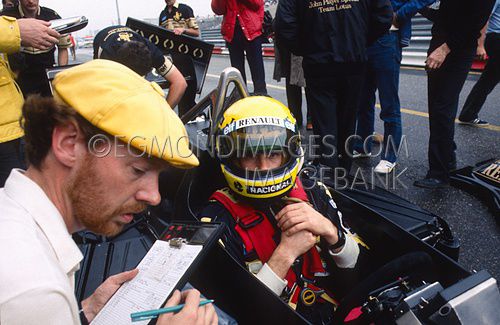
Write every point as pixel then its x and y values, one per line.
pixel 191 313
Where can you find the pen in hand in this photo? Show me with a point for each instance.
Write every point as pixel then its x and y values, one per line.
pixel 150 314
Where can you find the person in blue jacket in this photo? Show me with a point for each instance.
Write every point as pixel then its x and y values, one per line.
pixel 384 59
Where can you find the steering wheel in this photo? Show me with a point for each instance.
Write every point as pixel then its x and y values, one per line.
pixel 415 263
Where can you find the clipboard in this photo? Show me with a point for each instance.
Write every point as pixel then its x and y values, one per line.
pixel 196 239
pixel 215 273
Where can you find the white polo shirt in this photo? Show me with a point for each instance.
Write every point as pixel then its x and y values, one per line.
pixel 38 257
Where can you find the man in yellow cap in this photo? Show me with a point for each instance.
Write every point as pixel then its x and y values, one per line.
pixel 14 34
pixel 95 152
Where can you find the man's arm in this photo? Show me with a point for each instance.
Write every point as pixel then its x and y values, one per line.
pixel 43 305
pixel 192 26
pixel 177 87
pixel 93 304
pixel 253 5
pixel 272 277
pixel 10 35
pixel 476 17
pixel 429 13
pixel 191 313
pixel 27 32
pixel 481 51
pixel 62 56
pixel 188 31
pixel 219 7
pixel 177 81
pixel 410 9
pixel 381 16
pixel 62 49
pixel 273 273
pixel 301 216
pixel 165 68
pixel 193 32
pixel 286 24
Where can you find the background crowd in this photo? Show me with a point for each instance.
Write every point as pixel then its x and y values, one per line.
pixel 341 71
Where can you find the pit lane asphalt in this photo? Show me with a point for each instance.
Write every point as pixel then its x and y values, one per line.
pixel 469 218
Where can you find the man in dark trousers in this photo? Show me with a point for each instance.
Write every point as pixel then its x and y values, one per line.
pixel 384 60
pixel 332 37
pixel 457 25
pixel 491 75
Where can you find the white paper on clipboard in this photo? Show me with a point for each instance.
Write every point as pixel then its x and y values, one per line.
pixel 159 272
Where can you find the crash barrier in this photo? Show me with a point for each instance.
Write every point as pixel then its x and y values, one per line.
pixel 413 55
pixel 190 55
pixel 213 36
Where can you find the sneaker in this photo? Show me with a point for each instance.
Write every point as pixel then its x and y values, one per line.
pixel 475 122
pixel 384 167
pixel 198 119
pixel 356 154
pixel 378 138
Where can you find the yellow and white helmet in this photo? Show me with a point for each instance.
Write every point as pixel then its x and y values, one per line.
pixel 258 125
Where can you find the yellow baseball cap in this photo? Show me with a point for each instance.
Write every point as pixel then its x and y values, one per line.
pixel 118 101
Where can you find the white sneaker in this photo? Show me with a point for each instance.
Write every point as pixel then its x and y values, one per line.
pixel 356 154
pixel 384 167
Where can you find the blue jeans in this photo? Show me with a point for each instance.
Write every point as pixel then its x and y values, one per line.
pixel 384 59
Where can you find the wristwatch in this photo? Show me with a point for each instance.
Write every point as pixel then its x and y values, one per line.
pixel 340 242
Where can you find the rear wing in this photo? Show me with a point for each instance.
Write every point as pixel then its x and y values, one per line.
pixel 189 53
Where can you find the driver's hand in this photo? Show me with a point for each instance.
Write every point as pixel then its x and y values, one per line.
pixel 93 304
pixel 289 248
pixel 192 313
pixel 297 244
pixel 297 217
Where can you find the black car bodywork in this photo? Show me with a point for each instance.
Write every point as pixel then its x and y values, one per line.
pixel 482 180
pixel 412 276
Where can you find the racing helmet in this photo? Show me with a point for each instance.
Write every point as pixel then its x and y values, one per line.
pixel 252 126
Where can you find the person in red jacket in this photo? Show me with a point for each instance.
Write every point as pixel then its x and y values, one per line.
pixel 242 30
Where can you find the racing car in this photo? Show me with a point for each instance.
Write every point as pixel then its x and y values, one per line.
pixel 412 276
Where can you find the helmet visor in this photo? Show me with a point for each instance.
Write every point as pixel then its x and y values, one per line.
pixel 254 140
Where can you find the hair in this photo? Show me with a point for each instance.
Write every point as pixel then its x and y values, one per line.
pixel 40 115
pixel 135 55
pixel 15 3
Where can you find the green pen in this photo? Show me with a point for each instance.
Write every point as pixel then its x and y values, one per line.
pixel 150 314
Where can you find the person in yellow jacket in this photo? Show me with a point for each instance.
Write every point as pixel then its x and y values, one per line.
pixel 14 34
